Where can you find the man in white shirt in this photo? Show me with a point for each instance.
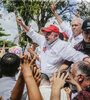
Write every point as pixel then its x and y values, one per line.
pixel 9 67
pixel 74 33
pixel 53 50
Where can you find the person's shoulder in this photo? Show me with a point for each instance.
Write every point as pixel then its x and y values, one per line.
pixel 78 46
pixel 60 45
pixel 63 43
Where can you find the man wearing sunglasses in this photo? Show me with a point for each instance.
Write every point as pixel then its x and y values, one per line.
pixel 84 46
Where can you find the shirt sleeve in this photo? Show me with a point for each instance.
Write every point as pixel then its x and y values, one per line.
pixel 71 54
pixel 65 28
pixel 36 37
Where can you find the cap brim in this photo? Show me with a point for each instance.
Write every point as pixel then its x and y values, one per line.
pixel 46 30
pixel 88 28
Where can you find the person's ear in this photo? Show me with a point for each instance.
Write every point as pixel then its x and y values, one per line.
pixel 80 78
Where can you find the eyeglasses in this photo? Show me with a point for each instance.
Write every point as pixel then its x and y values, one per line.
pixel 47 33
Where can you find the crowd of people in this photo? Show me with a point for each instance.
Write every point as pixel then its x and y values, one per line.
pixel 55 70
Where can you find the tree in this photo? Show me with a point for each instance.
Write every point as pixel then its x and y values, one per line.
pixel 7 43
pixel 39 11
pixel 83 9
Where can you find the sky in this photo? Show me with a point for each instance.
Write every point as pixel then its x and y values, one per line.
pixel 8 22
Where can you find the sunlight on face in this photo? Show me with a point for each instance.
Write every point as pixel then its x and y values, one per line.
pixel 76 27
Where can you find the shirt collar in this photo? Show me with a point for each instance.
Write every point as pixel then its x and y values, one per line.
pixel 79 36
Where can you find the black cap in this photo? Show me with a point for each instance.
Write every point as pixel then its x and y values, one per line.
pixel 86 25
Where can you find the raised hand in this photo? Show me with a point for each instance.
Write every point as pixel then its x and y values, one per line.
pixel 19 21
pixel 58 83
pixel 53 6
pixel 73 82
pixel 37 75
pixel 59 80
pixel 25 65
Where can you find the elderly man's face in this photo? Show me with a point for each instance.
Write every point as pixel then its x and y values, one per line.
pixel 74 72
pixel 76 27
pixel 86 36
pixel 50 38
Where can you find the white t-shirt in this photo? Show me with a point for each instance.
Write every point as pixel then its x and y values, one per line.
pixel 46 93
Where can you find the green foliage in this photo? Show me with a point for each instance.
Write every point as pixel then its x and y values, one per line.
pixel 8 44
pixel 1 29
pixel 40 11
pixel 2 34
pixel 84 9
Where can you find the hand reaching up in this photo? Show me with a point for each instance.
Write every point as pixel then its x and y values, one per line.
pixel 53 6
pixel 19 21
pixel 25 66
pixel 58 83
pixel 59 80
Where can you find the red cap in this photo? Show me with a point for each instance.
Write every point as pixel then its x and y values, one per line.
pixel 51 28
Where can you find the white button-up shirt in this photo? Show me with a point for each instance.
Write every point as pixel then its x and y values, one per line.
pixel 68 31
pixel 54 55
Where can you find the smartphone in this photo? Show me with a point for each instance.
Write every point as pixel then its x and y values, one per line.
pixel 65 72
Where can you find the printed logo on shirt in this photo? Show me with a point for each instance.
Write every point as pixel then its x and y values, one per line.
pixel 44 49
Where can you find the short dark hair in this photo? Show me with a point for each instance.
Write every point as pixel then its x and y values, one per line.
pixel 84 67
pixel 44 78
pixel 9 64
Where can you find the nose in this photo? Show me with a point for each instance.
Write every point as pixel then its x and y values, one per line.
pixel 73 26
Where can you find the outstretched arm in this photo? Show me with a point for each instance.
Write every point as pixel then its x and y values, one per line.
pixel 87 59
pixel 32 88
pixel 55 13
pixel 25 27
pixel 59 81
pixel 65 28
pixel 18 89
pixel 63 67
pixel 32 52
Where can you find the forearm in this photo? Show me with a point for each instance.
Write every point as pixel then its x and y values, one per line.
pixel 32 52
pixel 63 67
pixel 55 94
pixel 87 59
pixel 58 17
pixel 68 97
pixel 32 89
pixel 18 89
pixel 25 27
